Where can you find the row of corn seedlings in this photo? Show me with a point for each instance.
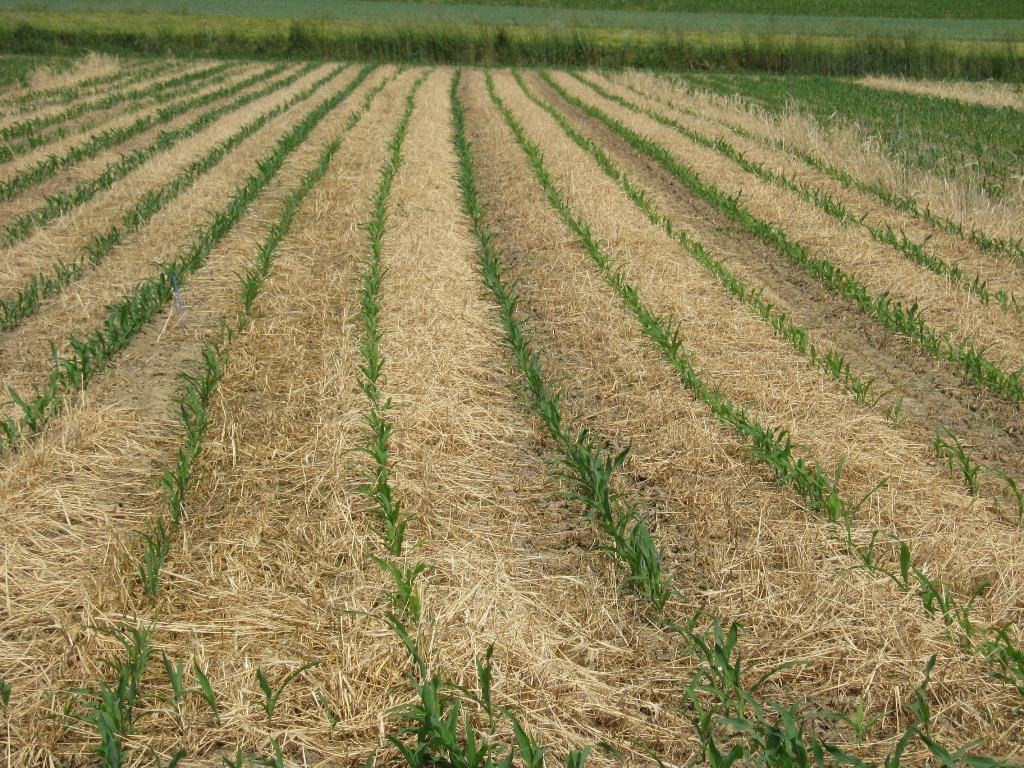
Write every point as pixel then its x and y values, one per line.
pixel 582 463
pixel 22 226
pixel 438 727
pixel 913 251
pixel 772 445
pixel 199 385
pixel 892 314
pixel 124 319
pixel 49 282
pixel 176 481
pixel 99 142
pixel 92 86
pixel 798 337
pixel 1013 248
pixel 733 723
pixel 31 129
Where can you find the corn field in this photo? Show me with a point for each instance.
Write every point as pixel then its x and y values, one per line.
pixel 377 415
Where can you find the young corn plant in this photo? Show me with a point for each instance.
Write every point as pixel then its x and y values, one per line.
pixel 584 466
pixel 57 205
pixel 914 252
pixel 271 695
pixel 109 709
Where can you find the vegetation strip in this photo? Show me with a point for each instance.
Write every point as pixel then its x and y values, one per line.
pixel 47 283
pixel 913 251
pixel 798 337
pixel 47 167
pixel 583 464
pixel 57 205
pixel 29 129
pixel 110 710
pixel 891 314
pixel 773 445
pixel 127 317
pixel 716 695
pixel 1011 248
pixel 194 399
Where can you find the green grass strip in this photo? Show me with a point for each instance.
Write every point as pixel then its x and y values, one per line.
pixel 773 445
pixel 893 315
pixel 913 251
pixel 49 282
pixel 583 464
pixel 798 337
pixel 30 130
pixel 1012 248
pixel 64 202
pixel 126 318
pixel 198 386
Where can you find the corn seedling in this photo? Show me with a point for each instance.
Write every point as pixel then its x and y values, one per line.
pixel 914 252
pixel 176 758
pixel 271 695
pixel 332 717
pixel 948 447
pixel 5 693
pixel 110 709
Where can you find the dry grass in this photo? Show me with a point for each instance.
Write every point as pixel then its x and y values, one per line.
pixel 990 94
pixel 91 65
pixel 87 169
pixel 73 497
pixel 272 567
pixel 850 149
pixel 82 305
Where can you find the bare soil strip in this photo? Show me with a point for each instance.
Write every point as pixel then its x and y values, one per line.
pixel 999 273
pixel 759 557
pixel 961 315
pixel 861 156
pixel 68 178
pixel 24 352
pixel 69 234
pixel 72 558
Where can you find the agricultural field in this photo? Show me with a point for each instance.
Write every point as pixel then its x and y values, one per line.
pixel 395 415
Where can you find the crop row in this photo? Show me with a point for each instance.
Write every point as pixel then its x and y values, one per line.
pixel 953 139
pixel 1013 248
pixel 891 314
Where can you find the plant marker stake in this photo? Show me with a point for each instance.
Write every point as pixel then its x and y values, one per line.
pixel 181 312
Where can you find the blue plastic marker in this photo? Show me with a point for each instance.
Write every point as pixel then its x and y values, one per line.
pixel 181 312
